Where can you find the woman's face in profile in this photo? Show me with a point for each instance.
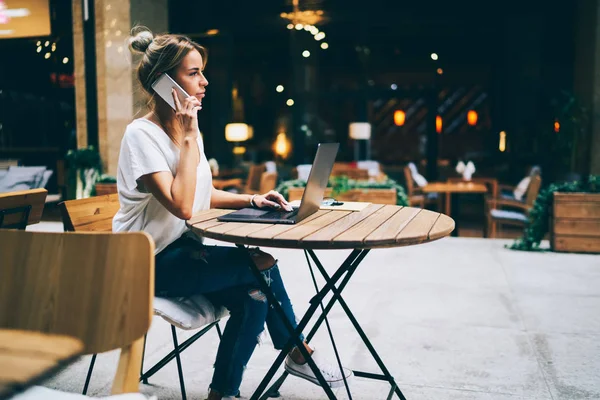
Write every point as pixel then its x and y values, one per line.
pixel 189 75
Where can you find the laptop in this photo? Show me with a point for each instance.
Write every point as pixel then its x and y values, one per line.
pixel 311 199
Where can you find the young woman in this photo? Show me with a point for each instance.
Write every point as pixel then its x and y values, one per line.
pixel 163 179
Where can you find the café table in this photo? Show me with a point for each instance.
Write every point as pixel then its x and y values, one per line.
pixel 376 226
pixel 28 357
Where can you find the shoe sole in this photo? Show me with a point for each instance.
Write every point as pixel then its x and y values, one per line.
pixel 312 379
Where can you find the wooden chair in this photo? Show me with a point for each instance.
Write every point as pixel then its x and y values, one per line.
pixel 416 197
pixel 95 287
pixel 268 181
pixel 251 185
pixel 498 215
pixel 19 209
pixel 95 214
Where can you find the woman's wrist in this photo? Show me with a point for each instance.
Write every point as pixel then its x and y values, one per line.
pixel 252 203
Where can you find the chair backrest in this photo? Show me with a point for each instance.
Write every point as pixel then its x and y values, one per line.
pixel 253 180
pixel 375 196
pixel 97 287
pixel 410 184
pixel 533 189
pixel 94 214
pixel 268 181
pixel 19 209
pixel 352 173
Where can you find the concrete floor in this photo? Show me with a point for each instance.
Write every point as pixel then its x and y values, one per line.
pixel 458 319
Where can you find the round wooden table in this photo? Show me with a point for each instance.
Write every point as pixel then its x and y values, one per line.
pixel 376 226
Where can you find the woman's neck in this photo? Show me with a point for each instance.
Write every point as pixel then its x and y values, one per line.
pixel 164 116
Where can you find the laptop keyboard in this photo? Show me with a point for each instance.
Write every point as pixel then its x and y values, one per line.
pixel 279 214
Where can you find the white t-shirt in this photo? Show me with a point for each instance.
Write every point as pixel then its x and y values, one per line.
pixel 145 149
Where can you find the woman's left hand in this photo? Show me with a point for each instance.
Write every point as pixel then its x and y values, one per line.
pixel 272 199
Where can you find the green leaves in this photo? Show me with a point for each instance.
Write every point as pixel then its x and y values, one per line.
pixel 84 158
pixel 341 184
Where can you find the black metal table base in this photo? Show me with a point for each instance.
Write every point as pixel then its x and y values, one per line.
pixel 346 270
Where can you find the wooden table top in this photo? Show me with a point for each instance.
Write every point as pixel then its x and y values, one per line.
pixel 455 187
pixel 27 357
pixel 376 226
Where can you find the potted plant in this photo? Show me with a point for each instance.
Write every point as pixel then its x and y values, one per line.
pixel 106 184
pixel 570 211
pixel 84 166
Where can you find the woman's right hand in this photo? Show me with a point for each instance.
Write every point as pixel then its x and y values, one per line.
pixel 187 114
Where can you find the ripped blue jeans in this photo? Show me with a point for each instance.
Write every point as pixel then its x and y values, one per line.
pixel 222 274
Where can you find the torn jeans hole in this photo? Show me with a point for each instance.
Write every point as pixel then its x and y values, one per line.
pixel 257 295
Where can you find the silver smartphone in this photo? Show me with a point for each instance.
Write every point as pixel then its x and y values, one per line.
pixel 163 87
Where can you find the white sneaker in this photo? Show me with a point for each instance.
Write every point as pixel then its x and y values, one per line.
pixel 330 372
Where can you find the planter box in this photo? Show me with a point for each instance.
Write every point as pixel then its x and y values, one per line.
pixel 575 225
pixel 105 188
pixel 376 196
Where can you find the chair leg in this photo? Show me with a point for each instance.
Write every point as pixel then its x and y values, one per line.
pixel 493 229
pixel 144 380
pixel 89 374
pixel 219 331
pixel 179 370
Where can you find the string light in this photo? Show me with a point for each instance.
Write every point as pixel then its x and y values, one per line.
pixel 438 124
pixel 320 36
pixel 290 102
pixel 434 56
pixel 306 54
pixel 290 26
pixel 279 88
pixel 440 71
pixel 39 49
pixel 556 126
pixel 39 43
pixel 324 46
pixel 299 27
pixel 47 43
pixel 47 56
pixel 65 60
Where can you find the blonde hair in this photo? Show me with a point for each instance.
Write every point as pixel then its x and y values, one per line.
pixel 160 54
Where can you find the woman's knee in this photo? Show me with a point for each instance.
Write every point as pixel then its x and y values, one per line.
pixel 263 261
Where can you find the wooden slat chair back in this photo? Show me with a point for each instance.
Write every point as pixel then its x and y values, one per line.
pixel 268 181
pixel 415 197
pixel 93 214
pixel 533 190
pixel 254 176
pixel 351 173
pixel 19 209
pixel 96 287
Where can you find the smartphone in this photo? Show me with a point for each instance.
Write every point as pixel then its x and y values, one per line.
pixel 163 87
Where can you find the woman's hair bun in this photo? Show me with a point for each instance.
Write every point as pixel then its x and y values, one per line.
pixel 140 39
